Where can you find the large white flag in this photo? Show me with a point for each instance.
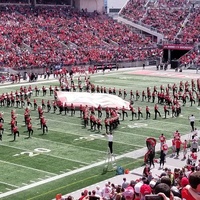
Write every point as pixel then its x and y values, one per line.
pixel 92 99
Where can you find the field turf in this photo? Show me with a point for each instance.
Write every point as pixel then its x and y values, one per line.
pixel 68 146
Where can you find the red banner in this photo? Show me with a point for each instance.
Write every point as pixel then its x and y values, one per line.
pixel 177 47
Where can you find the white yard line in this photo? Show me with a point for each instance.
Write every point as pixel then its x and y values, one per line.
pixel 15 186
pixel 22 166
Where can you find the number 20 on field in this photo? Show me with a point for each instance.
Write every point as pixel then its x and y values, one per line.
pixel 35 152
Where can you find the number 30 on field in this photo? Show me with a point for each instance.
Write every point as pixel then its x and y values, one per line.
pixel 35 152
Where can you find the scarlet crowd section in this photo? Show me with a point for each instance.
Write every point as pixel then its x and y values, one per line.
pixel 176 20
pixel 48 36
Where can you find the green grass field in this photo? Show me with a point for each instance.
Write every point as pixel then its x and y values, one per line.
pixel 68 146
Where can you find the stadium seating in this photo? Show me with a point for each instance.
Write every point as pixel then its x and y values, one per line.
pixel 47 36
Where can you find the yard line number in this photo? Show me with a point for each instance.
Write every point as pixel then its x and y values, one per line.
pixel 33 153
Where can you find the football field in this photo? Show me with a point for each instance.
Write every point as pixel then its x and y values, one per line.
pixel 70 156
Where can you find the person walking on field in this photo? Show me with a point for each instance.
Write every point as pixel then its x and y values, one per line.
pixel 192 120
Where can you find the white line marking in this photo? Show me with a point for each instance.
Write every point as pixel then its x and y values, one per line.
pixel 22 166
pixel 32 181
pixel 9 184
pixel 24 184
pixel 40 179
pixel 45 153
pixel 8 189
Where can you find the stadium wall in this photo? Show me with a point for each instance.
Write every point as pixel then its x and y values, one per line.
pixel 90 5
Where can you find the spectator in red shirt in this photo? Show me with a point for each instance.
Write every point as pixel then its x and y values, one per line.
pixel 191 191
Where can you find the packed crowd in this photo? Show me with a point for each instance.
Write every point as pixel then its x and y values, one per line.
pixel 166 17
pixel 46 36
pixel 180 184
pixel 193 57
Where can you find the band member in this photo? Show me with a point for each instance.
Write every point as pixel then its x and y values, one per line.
pixel 66 110
pixel 131 94
pixel 1 118
pixel 22 101
pixel 143 95
pixel 72 109
pixel 51 90
pixel 44 125
pixel 120 93
pixel 124 113
pixel 15 132
pixel 30 130
pixel 137 95
pixel 99 124
pixel 37 91
pixel 133 113
pixel 107 125
pixel 99 109
pixel 44 91
pixel 156 111
pixel 28 102
pixel 43 104
pixel 140 113
pixel 148 114
pixel 125 93
pixel 1 131
pixel 107 112
pixel 92 110
pixel 48 106
pixel 166 111
pixel 54 106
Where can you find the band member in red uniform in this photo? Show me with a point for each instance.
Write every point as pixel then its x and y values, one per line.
pixel 15 132
pixel 48 106
pixel 1 118
pixel 1 131
pixel 99 124
pixel 148 114
pixel 44 91
pixel 131 95
pixel 43 104
pixel 54 106
pixel 125 93
pixel 44 125
pixel 107 112
pixel 92 110
pixel 66 110
pixel 133 113
pixel 156 111
pixel 51 90
pixel 99 109
pixel 140 114
pixel 30 130
pixel 124 113
pixel 137 95
pixel 28 102
pixel 72 109
pixel 143 95
pixel 107 125
pixel 37 91
pixel 120 93
pixel 166 111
